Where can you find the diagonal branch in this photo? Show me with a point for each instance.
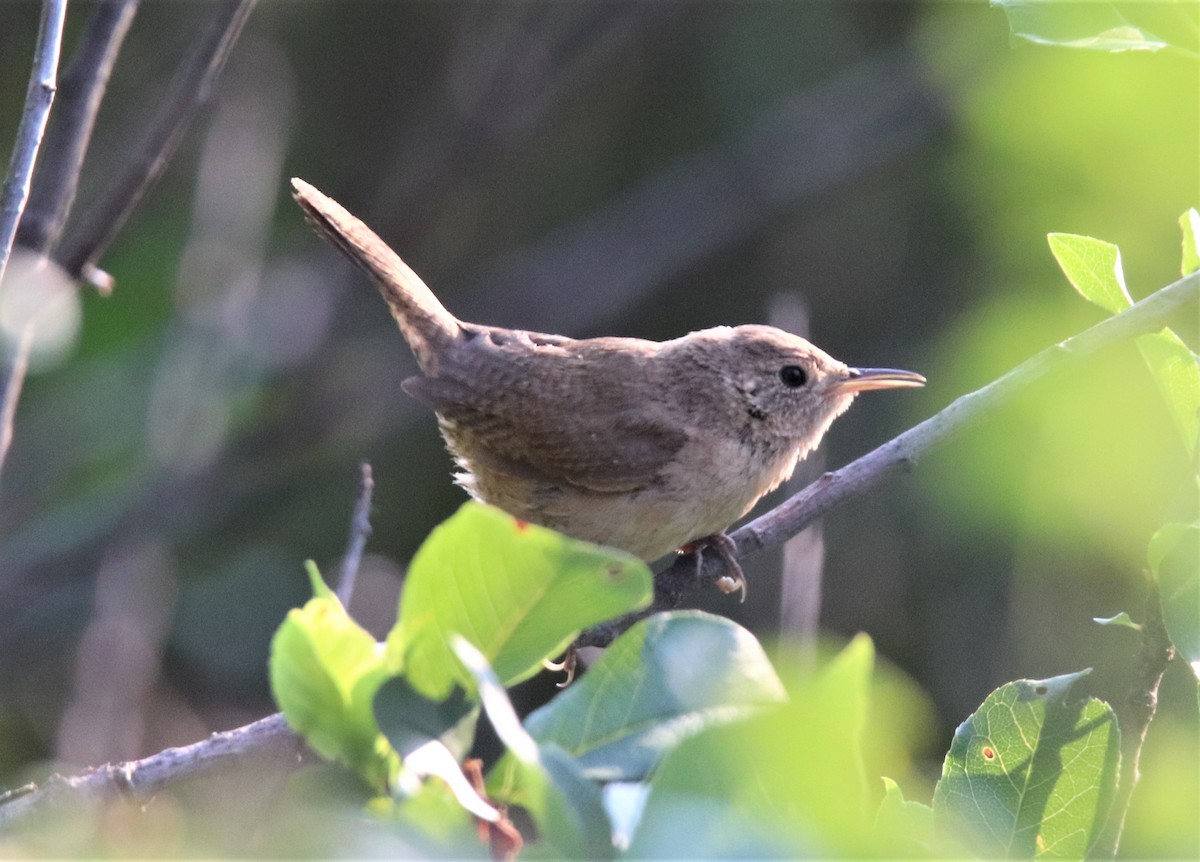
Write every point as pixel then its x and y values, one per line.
pixel 190 89
pixel 39 97
pixel 903 452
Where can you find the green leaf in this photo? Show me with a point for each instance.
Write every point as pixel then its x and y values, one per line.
pixel 325 670
pixel 906 827
pixel 787 781
pixel 1175 370
pixel 1093 267
pixel 1122 619
pixel 519 592
pixel 566 806
pixel 409 719
pixel 665 679
pixel 1093 25
pixel 1174 558
pixel 1189 224
pixel 1029 774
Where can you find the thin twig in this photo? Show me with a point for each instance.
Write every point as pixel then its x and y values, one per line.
pixel 360 529
pixel 140 779
pixel 1136 714
pixel 903 452
pixel 10 390
pixel 80 93
pixel 38 99
pixel 190 89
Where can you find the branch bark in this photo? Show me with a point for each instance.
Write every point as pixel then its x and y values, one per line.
pixel 38 99
pixel 190 89
pixel 70 131
pixel 140 779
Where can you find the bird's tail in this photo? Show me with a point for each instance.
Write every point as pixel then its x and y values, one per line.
pixel 424 321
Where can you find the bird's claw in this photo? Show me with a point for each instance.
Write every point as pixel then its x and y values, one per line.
pixel 567 665
pixel 733 581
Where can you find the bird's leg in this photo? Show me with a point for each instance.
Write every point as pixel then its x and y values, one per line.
pixel 720 544
pixel 570 657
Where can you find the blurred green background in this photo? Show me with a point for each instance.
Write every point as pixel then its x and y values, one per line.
pixel 592 168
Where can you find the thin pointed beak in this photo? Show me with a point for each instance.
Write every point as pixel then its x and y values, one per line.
pixel 863 379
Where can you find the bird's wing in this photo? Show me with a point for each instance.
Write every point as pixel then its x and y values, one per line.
pixel 555 411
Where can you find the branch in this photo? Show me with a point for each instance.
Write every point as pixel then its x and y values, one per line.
pixel 141 779
pixel 10 389
pixel 360 529
pixel 80 93
pixel 1137 713
pixel 38 99
pixel 190 89
pixel 903 452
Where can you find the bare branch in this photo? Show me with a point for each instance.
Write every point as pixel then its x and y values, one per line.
pixel 360 529
pixel 190 89
pixel 903 452
pixel 10 389
pixel 140 779
pixel 80 93
pixel 38 99
pixel 1137 712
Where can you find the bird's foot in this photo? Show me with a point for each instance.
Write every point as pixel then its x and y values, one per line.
pixel 567 665
pixel 733 581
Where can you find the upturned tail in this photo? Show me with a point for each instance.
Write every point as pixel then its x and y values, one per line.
pixel 425 322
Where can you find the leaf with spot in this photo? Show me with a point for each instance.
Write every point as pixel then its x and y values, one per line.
pixel 517 591
pixel 1030 773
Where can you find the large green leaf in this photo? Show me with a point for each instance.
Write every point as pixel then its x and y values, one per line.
pixel 788 781
pixel 1095 25
pixel 519 592
pixel 545 781
pixel 1175 370
pixel 1093 267
pixel 665 679
pixel 1174 558
pixel 325 670
pixel 1029 773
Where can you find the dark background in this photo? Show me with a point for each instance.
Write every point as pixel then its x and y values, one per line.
pixel 889 169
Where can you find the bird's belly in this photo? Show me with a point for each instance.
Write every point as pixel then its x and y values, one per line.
pixel 692 498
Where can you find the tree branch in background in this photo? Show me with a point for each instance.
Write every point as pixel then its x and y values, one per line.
pixel 80 94
pixel 902 452
pixel 190 88
pixel 38 99
pixel 10 388
pixel 360 530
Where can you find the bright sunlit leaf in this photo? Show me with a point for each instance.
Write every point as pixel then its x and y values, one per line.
pixel 1093 267
pixel 1177 373
pixel 519 592
pixel 1122 620
pixel 1189 224
pixel 1030 773
pixel 325 670
pixel 1093 25
pixel 1174 557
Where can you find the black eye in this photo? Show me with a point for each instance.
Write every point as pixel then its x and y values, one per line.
pixel 793 376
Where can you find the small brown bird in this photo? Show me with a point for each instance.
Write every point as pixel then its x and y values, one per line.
pixel 646 446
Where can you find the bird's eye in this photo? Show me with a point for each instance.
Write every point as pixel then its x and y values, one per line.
pixel 793 376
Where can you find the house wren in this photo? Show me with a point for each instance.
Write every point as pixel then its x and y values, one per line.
pixel 646 446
